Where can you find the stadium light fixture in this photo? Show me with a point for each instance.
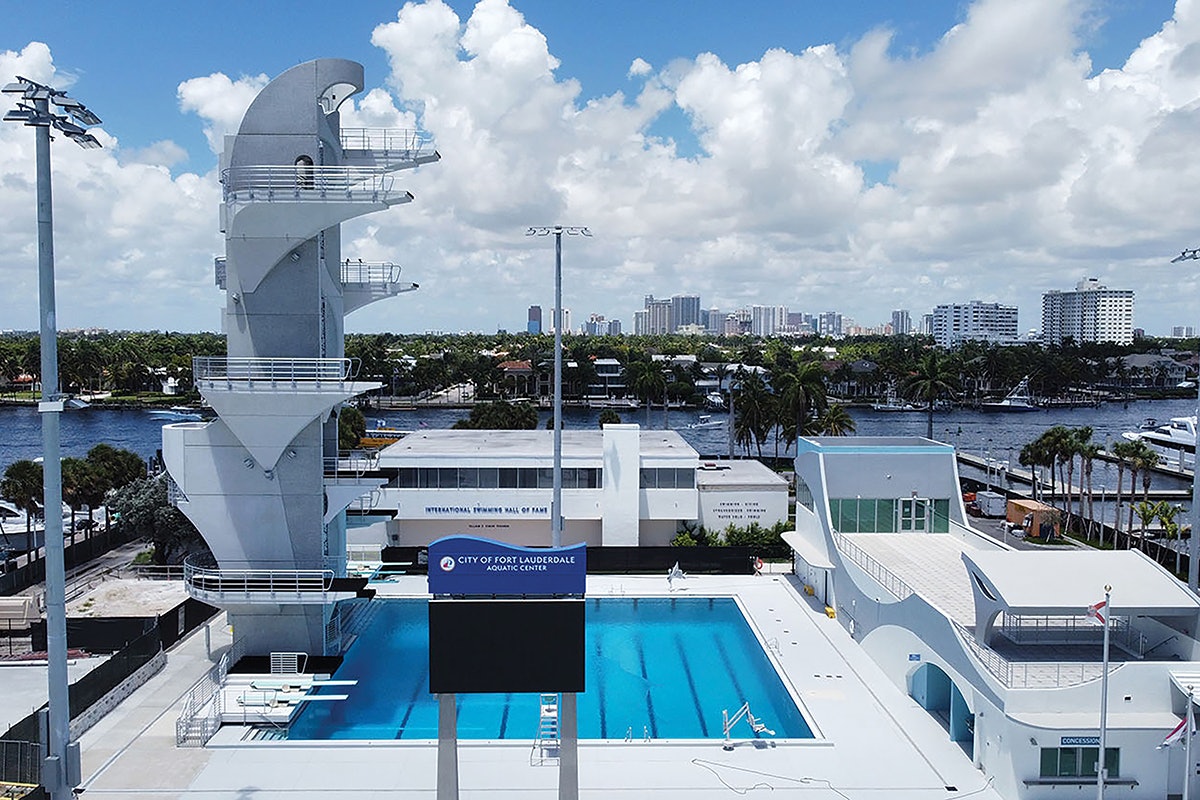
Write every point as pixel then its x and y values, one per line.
pixel 60 772
pixel 556 522
pixel 1194 542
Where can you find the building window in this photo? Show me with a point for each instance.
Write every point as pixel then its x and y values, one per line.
pixel 1079 762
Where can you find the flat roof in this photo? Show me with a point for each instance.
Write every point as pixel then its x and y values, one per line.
pixel 743 474
pixel 869 444
pixel 524 444
pixel 929 563
pixel 1041 582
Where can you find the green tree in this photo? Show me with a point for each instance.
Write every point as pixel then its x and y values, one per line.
pixel 115 466
pixel 755 412
pixel 141 508
pixel 352 427
pixel 933 378
pixel 498 416
pixel 22 486
pixel 836 421
pixel 801 392
pixel 609 416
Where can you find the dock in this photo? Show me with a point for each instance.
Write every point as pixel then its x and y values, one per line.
pixel 1024 477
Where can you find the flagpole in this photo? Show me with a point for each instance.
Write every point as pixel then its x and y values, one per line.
pixel 1101 771
pixel 1187 748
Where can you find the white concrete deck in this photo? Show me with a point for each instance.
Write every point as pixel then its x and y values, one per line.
pixel 930 563
pixel 874 739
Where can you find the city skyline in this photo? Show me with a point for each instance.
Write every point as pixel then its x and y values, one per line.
pixel 864 160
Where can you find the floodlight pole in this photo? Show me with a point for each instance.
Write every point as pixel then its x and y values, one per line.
pixel 60 764
pixel 1194 541
pixel 556 519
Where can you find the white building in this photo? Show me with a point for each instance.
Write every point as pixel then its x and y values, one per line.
pixel 621 486
pixel 992 641
pixel 1091 313
pixel 955 323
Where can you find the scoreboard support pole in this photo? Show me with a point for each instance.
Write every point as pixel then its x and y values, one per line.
pixel 447 753
pixel 568 748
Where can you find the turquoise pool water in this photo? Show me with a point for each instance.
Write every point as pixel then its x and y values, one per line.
pixel 661 667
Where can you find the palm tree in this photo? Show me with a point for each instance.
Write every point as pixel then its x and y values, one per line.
pixel 1122 451
pixel 836 421
pixel 647 382
pixel 755 414
pixel 932 379
pixel 1141 459
pixel 1088 452
pixel 22 486
pixel 801 391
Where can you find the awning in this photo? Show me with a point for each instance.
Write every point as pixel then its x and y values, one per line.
pixel 811 554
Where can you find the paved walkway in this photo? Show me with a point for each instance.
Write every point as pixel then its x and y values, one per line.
pixel 874 740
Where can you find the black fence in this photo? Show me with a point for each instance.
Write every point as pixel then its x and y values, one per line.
pixel 160 632
pixel 82 549
pixel 1160 550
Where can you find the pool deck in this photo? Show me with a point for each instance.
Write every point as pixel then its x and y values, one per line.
pixel 873 740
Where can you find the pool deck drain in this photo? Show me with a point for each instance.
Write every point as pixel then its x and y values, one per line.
pixel 874 740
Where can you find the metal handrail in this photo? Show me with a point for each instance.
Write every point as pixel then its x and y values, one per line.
pixel 220 275
pixel 1026 674
pixel 256 582
pixel 370 272
pixel 273 370
pixel 882 575
pixel 389 140
pixel 350 464
pixel 300 182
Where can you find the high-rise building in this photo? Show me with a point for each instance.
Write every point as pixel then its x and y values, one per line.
pixel 534 325
pixel 1183 332
pixel 762 320
pixel 926 325
pixel 955 323
pixel 901 323
pixel 829 323
pixel 566 320
pixel 1091 313
pixel 659 317
pixel 614 327
pixel 716 321
pixel 641 322
pixel 685 310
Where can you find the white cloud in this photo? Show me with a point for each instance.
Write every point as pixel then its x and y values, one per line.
pixel 994 165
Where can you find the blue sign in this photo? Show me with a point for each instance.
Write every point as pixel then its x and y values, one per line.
pixel 469 565
pixel 1080 741
pixel 914 656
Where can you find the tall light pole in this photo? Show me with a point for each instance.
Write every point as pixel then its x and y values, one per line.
pixel 60 765
pixel 556 521
pixel 1194 541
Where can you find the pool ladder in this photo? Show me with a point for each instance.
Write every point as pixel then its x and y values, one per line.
pixel 546 746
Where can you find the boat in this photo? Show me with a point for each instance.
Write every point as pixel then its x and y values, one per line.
pixel 894 403
pixel 1018 399
pixel 706 421
pixel 714 401
pixel 177 414
pixel 620 403
pixel 1174 442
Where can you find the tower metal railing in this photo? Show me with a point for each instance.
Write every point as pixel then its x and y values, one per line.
pixel 272 371
pixel 399 141
pixel 370 272
pixel 305 183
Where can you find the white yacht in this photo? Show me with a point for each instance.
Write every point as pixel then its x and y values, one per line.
pixel 714 401
pixel 1018 399
pixel 1174 442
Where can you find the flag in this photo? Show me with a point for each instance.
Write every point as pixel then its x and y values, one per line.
pixel 1176 734
pixel 1096 612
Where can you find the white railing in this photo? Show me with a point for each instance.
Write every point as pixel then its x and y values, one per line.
pixel 1031 674
pixel 400 141
pixel 370 272
pixel 293 371
pixel 175 495
pixel 351 464
pixel 303 183
pixel 219 271
pixel 1050 630
pixel 255 584
pixel 881 574
pixel 201 714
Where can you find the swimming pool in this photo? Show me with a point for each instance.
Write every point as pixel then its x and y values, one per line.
pixel 662 668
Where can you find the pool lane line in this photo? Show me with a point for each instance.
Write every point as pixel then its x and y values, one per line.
pixel 646 677
pixel 504 716
pixel 600 688
pixel 420 684
pixel 687 671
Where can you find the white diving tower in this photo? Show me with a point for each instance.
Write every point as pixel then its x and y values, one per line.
pixel 263 481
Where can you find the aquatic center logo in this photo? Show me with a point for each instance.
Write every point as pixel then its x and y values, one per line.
pixel 447 563
pixel 470 565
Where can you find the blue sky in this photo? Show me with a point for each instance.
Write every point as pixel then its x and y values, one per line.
pixel 852 170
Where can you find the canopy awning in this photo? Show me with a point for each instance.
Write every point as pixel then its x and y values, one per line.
pixel 1040 583
pixel 812 555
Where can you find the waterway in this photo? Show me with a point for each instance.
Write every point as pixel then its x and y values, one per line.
pixel 993 436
